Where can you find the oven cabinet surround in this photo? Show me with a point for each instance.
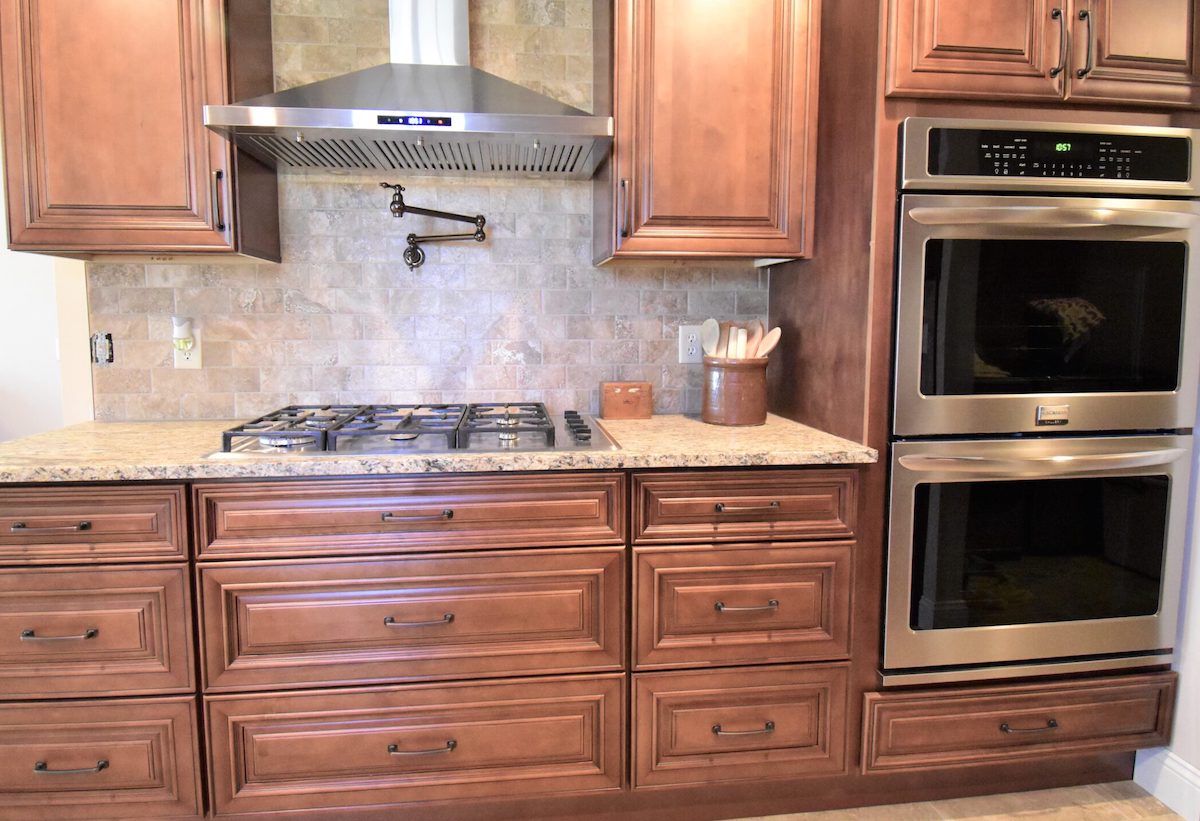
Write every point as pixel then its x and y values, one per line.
pixel 714 111
pixel 105 148
pixel 1142 52
pixel 97 668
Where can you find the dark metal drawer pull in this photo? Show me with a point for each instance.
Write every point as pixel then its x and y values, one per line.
pixel 21 527
pixel 722 607
pixel 445 514
pixel 445 619
pixel 1052 724
pixel 767 729
pixel 721 507
pixel 1057 14
pixel 90 633
pixel 40 767
pixel 394 749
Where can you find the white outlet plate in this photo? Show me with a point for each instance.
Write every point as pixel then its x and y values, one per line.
pixel 690 351
pixel 189 360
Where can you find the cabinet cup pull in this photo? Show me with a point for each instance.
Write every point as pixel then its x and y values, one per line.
pixel 391 622
pixel 722 607
pixel 1052 724
pixel 1088 64
pixel 434 517
pixel 721 507
pixel 29 635
pixel 40 767
pixel 1057 14
pixel 218 208
pixel 767 729
pixel 394 749
pixel 21 527
pixel 623 207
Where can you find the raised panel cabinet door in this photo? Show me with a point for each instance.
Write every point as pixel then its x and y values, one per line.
pixel 715 114
pixel 1142 51
pixel 105 148
pixel 992 49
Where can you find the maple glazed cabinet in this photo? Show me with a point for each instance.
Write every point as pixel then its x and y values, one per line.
pixel 105 147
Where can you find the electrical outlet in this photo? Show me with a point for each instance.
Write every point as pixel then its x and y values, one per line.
pixel 189 359
pixel 689 344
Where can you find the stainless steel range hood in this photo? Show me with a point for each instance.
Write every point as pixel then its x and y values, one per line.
pixel 421 113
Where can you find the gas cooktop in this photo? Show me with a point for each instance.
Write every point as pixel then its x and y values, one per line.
pixel 399 429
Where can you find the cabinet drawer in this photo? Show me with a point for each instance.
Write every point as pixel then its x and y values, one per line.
pixel 461 615
pixel 779 505
pixel 742 724
pixel 102 631
pixel 427 742
pixel 135 758
pixel 396 515
pixel 950 728
pixel 741 604
pixel 90 524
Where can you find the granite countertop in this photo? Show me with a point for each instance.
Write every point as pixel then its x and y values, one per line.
pixel 123 451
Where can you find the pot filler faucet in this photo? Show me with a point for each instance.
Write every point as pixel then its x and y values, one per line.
pixel 413 255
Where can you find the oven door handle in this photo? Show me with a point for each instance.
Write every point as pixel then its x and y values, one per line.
pixel 1041 217
pixel 1040 465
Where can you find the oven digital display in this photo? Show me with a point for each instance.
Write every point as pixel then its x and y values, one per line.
pixel 1028 153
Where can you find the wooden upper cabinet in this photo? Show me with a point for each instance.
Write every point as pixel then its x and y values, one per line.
pixel 105 145
pixel 714 109
pixel 1119 52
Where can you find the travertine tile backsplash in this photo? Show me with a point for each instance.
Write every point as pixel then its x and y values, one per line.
pixel 522 316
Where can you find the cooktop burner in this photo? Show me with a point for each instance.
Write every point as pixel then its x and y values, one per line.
pixel 382 429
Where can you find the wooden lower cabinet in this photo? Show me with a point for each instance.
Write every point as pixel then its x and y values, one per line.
pixel 107 631
pixel 323 750
pixel 467 615
pixel 741 604
pixel 740 724
pixel 933 729
pixel 99 759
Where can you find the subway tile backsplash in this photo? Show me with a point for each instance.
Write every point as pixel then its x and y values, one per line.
pixel 522 316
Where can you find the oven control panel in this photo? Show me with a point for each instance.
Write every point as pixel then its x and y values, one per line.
pixel 984 152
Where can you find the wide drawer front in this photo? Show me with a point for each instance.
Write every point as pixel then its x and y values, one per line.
pixel 457 615
pixel 948 728
pixel 740 724
pixel 110 631
pixel 779 505
pixel 348 748
pixel 99 759
pixel 394 515
pixel 741 604
pixel 92 524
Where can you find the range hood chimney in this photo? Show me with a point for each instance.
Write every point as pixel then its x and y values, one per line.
pixel 426 112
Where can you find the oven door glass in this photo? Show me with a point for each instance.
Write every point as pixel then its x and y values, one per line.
pixel 1045 314
pixel 1033 549
pixel 1051 316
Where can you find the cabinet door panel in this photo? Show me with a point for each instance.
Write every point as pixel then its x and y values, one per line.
pixel 1145 51
pixel 975 48
pixel 104 144
pixel 716 113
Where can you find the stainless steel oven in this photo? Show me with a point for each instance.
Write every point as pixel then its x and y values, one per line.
pixel 1046 364
pixel 1056 313
pixel 1012 556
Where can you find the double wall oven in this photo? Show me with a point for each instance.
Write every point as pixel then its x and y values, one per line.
pixel 1048 335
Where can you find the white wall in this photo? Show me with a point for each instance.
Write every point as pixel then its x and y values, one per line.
pixel 1173 774
pixel 45 378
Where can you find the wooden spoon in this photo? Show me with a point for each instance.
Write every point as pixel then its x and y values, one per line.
pixel 710 333
pixel 769 342
pixel 723 341
pixel 754 338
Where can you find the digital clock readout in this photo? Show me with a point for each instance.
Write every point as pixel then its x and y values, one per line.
pixel 1060 147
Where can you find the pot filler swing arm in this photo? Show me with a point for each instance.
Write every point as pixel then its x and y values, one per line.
pixel 413 255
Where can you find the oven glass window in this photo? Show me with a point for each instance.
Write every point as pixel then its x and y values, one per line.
pixel 1051 316
pixel 1033 551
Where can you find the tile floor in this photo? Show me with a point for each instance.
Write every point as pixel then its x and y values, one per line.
pixel 1118 801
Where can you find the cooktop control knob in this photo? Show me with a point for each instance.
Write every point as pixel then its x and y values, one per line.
pixel 579 429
